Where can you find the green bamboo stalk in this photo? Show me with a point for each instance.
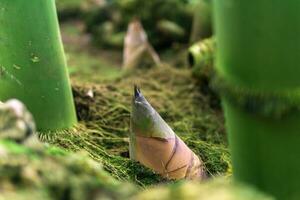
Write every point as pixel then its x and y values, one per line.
pixel 258 59
pixel 202 22
pixel 32 62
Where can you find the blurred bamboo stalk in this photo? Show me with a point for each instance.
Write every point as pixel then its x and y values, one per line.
pixel 202 22
pixel 258 68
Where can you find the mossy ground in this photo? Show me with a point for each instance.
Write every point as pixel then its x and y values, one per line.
pixel 103 93
pixel 51 173
pixel 46 172
pixel 104 118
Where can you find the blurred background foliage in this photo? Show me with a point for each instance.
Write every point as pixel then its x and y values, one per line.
pixel 167 22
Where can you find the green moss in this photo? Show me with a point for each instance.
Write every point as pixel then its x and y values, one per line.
pixel 218 189
pixel 55 151
pixel 216 157
pixel 15 148
pixel 113 158
pixel 74 176
pixel 94 69
pixel 104 122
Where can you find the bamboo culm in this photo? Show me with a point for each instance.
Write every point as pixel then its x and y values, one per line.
pixel 32 62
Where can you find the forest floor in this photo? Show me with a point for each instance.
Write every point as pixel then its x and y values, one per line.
pixel 103 94
pixel 104 117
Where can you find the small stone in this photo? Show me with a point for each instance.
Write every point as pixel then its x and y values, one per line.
pixel 90 93
pixel 16 122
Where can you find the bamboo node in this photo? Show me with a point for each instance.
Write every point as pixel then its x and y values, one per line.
pixel 264 103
